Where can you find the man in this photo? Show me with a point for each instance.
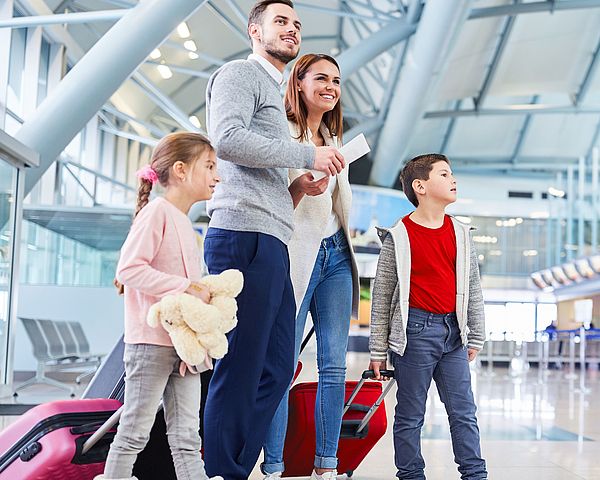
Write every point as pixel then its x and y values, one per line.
pixel 251 223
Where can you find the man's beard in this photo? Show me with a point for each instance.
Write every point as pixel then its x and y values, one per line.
pixel 283 56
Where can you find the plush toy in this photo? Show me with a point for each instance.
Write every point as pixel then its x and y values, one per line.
pixel 197 328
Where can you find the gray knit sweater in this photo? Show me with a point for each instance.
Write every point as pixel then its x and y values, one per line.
pixel 391 291
pixel 247 125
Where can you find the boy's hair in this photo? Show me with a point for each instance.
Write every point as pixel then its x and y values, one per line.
pixel 184 147
pixel 418 168
pixel 257 12
pixel 295 107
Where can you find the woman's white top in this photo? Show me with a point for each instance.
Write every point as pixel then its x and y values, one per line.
pixel 316 218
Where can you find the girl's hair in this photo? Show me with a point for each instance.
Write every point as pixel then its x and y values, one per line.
pixel 184 147
pixel 296 108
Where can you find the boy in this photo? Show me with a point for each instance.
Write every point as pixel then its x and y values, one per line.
pixel 428 311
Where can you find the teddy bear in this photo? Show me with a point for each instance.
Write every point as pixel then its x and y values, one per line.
pixel 196 328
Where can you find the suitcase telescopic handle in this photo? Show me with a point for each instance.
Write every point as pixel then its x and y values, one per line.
pixel 98 434
pixel 368 374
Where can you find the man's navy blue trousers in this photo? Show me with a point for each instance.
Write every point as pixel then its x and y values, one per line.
pixel 249 382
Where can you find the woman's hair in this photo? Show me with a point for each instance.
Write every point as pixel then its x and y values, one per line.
pixel 184 147
pixel 296 108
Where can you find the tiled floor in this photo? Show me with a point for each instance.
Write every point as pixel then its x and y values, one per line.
pixel 530 428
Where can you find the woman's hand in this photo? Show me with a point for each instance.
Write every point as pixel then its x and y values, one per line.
pixel 305 185
pixel 199 291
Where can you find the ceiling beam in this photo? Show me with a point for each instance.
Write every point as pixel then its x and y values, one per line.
pixel 489 77
pixel 521 109
pixel 588 77
pixel 63 19
pixel 533 7
pixel 92 81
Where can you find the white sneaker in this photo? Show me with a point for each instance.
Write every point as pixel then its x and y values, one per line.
pixel 273 476
pixel 325 476
pixel 218 477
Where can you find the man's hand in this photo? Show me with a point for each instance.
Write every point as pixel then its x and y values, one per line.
pixel 329 160
pixel 472 354
pixel 377 366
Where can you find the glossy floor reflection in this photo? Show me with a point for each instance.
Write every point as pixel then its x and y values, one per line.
pixel 531 426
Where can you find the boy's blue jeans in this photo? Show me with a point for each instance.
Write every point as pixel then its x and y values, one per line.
pixel 329 300
pixel 434 350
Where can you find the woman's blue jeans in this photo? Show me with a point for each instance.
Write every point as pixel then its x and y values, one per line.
pixel 329 300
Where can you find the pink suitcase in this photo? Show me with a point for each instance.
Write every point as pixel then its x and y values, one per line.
pixel 46 442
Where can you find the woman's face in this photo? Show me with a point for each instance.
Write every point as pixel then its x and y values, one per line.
pixel 320 88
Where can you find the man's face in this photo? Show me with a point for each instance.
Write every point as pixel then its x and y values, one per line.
pixel 279 33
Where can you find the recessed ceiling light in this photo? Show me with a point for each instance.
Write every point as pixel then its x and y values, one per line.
pixel 194 121
pixel 190 45
pixel 165 71
pixel 155 54
pixel 183 30
pixel 193 55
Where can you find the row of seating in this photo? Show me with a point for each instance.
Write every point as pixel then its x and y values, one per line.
pixel 58 346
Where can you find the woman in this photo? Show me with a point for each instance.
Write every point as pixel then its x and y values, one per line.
pixel 323 268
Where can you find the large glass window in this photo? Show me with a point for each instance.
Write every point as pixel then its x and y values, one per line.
pixel 8 187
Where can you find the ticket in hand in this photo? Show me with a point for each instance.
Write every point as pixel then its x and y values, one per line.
pixel 353 150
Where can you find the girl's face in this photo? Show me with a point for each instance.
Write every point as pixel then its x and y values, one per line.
pixel 320 88
pixel 202 177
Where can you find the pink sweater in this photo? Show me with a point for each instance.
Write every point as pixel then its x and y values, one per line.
pixel 159 257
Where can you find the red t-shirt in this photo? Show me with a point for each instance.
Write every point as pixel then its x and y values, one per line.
pixel 433 266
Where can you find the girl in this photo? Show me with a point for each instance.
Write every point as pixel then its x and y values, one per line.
pixel 323 268
pixel 160 257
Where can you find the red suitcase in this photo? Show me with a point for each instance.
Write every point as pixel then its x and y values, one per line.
pixel 46 443
pixel 363 424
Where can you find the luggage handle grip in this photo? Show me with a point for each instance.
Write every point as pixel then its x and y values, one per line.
pixel 370 374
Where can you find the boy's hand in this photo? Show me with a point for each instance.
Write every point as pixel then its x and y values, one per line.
pixel 472 354
pixel 377 366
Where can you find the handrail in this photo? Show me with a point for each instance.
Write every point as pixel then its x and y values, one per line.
pixel 96 173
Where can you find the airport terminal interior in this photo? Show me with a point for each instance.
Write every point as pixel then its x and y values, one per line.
pixel 508 90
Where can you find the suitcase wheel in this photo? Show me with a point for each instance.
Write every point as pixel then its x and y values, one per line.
pixel 349 473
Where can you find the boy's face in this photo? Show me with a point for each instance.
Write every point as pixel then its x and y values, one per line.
pixel 441 186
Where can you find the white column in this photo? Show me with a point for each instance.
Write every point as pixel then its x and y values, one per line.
pixel 6 11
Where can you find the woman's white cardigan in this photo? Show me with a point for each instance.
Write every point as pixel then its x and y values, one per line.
pixel 311 217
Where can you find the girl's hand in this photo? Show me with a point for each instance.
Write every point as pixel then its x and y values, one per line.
pixel 472 354
pixel 199 291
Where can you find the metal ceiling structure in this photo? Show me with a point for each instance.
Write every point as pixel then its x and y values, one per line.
pixel 503 86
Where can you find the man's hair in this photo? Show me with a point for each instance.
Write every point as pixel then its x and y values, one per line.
pixel 418 168
pixel 257 12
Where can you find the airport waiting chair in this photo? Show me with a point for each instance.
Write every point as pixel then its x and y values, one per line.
pixel 58 346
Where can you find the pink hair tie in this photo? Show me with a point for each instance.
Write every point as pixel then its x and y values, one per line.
pixel 147 173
